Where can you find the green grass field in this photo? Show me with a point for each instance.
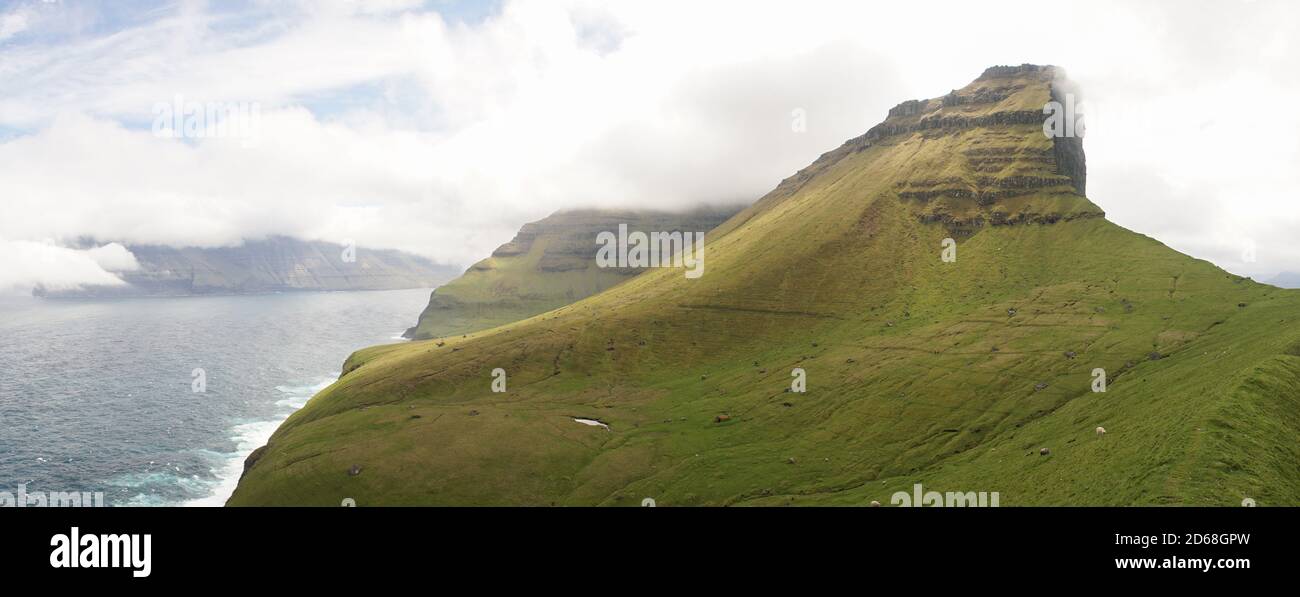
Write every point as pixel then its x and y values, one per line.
pixel 952 375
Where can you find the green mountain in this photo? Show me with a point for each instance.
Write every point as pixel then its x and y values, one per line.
pixel 973 375
pixel 276 264
pixel 549 264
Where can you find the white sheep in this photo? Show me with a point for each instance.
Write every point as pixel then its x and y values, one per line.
pixel 1101 431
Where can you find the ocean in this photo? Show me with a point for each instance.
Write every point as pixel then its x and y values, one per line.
pixel 105 395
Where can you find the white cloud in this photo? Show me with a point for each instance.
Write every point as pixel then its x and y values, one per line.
pixel 397 128
pixel 113 257
pixel 31 264
pixel 12 24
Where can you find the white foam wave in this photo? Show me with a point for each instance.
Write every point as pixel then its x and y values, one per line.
pixel 297 396
pixel 250 436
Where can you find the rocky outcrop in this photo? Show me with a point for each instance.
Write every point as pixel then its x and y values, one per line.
pixel 907 108
pixel 1003 168
pixel 252 459
pixel 1000 178
pixel 983 95
pixel 1004 72
pixel 1068 151
pixel 952 123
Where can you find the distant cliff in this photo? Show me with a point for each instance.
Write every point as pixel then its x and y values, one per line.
pixel 276 264
pixel 550 263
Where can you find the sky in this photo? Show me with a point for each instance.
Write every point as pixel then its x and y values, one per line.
pixel 440 126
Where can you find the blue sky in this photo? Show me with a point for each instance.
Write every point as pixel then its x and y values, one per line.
pixel 38 24
pixel 69 18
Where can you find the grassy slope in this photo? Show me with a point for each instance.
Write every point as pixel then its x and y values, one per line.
pixel 548 265
pixel 834 273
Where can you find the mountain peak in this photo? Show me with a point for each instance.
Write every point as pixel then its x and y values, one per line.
pixel 978 155
pixel 1026 69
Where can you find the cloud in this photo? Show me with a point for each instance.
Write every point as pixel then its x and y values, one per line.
pixel 12 24
pixel 113 257
pixel 398 127
pixel 38 264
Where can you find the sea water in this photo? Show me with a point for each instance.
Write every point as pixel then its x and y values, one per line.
pixel 104 395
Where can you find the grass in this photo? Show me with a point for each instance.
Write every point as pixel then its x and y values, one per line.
pixel 952 375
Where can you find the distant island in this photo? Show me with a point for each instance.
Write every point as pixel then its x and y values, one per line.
pixel 276 264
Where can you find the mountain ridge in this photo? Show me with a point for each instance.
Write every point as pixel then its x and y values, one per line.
pixel 971 374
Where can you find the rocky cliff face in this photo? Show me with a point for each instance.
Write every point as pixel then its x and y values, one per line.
pixel 274 265
pixel 1068 150
pixel 978 156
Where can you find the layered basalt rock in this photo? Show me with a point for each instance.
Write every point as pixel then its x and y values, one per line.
pixel 982 95
pixel 996 159
pixel 1068 151
pixel 950 123
pixel 994 146
pixel 1004 72
pixel 1001 167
